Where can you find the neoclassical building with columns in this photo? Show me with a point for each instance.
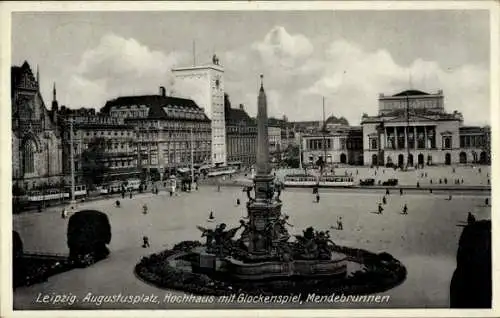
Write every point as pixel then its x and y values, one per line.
pixel 413 128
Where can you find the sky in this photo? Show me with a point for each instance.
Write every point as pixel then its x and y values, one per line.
pixel 347 57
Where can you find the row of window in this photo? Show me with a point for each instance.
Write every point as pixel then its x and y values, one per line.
pixel 476 141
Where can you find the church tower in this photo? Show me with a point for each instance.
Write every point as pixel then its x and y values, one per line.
pixel 55 105
pixel 205 85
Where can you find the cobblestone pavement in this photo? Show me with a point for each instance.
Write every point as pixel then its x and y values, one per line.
pixel 425 240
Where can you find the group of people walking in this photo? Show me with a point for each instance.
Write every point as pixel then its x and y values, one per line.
pixel 380 209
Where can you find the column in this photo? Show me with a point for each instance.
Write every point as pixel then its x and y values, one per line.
pixel 385 138
pixel 425 137
pixel 406 137
pixel 415 137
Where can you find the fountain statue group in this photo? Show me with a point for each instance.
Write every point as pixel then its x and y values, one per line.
pixel 308 246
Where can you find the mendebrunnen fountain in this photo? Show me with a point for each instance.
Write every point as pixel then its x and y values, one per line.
pixel 263 260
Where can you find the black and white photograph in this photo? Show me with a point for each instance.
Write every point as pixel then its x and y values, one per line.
pixel 249 156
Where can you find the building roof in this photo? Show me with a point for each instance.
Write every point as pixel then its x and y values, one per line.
pixel 415 115
pixel 161 107
pixel 237 115
pixel 411 92
pixel 16 76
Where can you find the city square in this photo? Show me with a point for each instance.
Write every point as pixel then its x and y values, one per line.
pixel 425 240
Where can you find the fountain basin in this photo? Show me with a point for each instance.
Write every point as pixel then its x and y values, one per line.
pixel 279 269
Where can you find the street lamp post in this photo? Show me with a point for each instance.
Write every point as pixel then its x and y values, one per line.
pixel 300 151
pixel 192 158
pixel 72 164
pixel 408 130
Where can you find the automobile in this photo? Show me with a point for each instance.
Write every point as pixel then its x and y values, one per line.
pixel 390 182
pixel 367 182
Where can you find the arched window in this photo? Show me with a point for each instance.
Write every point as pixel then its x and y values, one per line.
pixel 29 157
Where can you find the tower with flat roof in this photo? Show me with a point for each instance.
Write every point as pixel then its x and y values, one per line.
pixel 205 85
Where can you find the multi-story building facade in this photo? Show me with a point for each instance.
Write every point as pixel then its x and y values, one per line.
pixel 205 85
pixel 168 130
pixel 412 128
pixel 111 138
pixel 475 145
pixel 337 145
pixel 241 136
pixel 36 139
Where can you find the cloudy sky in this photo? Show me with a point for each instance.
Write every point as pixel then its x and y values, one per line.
pixel 349 57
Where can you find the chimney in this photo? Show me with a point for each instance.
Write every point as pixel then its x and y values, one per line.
pixel 242 107
pixel 162 91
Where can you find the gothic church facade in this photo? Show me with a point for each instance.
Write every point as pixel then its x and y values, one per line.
pixel 36 139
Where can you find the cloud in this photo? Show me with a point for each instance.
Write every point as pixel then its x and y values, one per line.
pixel 120 66
pixel 296 77
pixel 283 49
pixel 349 77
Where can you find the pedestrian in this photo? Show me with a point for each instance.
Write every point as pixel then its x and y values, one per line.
pixel 317 197
pixel 387 191
pixel 64 213
pixel 218 188
pixel 171 191
pixel 479 170
pixel 238 201
pixel 453 170
pixel 117 203
pixel 431 181
pixel 380 208
pixel 123 194
pixel 340 226
pixel 426 174
pixel 418 184
pixel 488 181
pixel 131 194
pixel 449 197
pixel 145 209
pixel 440 182
pixel 357 172
pixel 430 190
pixel 145 241
pixel 405 209
pixel 400 191
pixel 486 202
pixel 384 200
pixel 445 181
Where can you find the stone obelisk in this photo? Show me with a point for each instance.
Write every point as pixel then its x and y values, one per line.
pixel 265 210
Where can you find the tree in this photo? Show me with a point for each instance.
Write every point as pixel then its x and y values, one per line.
pixel 89 231
pixel 93 167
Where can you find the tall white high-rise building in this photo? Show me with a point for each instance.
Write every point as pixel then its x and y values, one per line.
pixel 205 85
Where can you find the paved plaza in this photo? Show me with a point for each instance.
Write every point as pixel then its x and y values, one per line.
pixel 425 240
